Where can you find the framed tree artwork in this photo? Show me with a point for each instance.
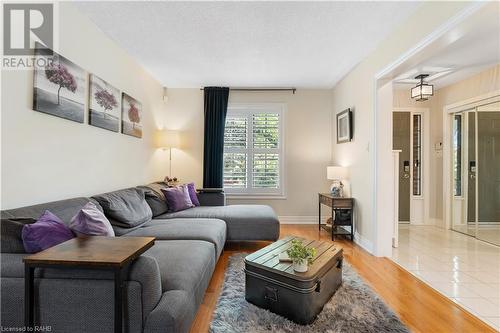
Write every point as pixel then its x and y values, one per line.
pixel 344 126
pixel 58 86
pixel 131 116
pixel 104 104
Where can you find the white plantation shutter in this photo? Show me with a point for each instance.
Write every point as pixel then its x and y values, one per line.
pixel 253 150
pixel 265 172
pixel 235 158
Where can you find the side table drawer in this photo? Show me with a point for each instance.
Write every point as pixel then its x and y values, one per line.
pixel 325 200
pixel 342 203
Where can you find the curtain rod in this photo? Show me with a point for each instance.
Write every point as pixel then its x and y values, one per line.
pixel 293 90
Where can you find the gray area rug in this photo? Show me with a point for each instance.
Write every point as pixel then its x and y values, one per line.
pixel 353 308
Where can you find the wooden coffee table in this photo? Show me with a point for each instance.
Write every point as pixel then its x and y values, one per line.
pixel 93 252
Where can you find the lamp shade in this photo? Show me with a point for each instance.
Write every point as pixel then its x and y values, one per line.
pixel 168 139
pixel 337 173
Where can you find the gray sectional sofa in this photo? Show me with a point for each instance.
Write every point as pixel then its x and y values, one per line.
pixel 165 286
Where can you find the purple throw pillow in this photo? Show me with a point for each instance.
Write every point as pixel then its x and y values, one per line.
pixel 90 221
pixel 46 232
pixel 192 194
pixel 177 198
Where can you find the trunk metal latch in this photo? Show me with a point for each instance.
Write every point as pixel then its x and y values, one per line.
pixel 271 294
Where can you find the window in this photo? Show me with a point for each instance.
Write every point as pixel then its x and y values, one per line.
pixel 457 155
pixel 253 150
pixel 417 154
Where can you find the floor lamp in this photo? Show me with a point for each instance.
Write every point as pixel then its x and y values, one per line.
pixel 168 139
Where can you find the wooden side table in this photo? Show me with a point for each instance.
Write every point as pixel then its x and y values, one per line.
pixel 342 214
pixel 93 252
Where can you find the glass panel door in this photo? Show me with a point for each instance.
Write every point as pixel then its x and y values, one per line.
pixel 463 155
pixel 488 172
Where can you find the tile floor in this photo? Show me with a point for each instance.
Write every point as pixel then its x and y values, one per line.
pixel 488 233
pixel 460 267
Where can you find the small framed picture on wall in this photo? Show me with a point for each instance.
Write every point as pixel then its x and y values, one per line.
pixel 344 126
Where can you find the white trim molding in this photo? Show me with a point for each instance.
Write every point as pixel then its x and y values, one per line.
pixel 381 241
pixel 365 243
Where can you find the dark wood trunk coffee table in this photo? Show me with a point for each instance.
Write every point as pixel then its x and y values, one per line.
pixel 274 285
pixel 93 252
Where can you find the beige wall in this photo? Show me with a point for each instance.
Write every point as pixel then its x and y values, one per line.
pixel 307 144
pixel 357 90
pixel 482 83
pixel 48 158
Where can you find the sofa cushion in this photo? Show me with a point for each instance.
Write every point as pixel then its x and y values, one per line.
pixel 155 198
pixel 244 222
pixel 210 230
pixel 64 209
pixel 11 234
pixel 184 265
pixel 126 208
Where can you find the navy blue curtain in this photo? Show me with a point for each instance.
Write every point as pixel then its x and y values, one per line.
pixel 215 120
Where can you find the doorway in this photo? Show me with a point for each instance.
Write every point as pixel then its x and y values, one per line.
pixel 475 171
pixel 410 128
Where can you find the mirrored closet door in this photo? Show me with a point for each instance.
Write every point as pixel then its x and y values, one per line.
pixel 475 201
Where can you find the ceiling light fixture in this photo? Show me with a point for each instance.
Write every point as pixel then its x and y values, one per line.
pixel 422 91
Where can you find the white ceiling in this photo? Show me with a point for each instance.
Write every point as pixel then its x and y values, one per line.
pixel 248 44
pixel 471 50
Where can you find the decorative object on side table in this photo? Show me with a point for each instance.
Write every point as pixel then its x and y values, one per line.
pixel 344 126
pixel 301 255
pixel 339 175
pixel 174 181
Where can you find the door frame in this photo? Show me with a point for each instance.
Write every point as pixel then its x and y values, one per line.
pixel 448 112
pixel 424 197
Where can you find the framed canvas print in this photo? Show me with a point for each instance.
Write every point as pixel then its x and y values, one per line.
pixel 104 104
pixel 344 126
pixel 58 86
pixel 131 116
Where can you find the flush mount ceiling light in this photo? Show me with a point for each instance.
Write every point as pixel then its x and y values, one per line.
pixel 422 91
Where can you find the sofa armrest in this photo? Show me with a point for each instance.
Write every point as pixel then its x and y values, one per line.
pixel 175 313
pixel 212 197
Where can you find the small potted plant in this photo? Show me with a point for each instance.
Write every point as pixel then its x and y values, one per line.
pixel 300 255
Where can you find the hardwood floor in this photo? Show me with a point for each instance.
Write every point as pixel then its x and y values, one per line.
pixel 420 307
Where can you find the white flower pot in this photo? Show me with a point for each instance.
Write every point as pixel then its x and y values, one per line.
pixel 301 268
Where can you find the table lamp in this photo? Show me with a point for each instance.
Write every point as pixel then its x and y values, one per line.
pixel 338 174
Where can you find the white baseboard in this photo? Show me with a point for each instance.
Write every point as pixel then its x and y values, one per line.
pixel 311 219
pixel 363 242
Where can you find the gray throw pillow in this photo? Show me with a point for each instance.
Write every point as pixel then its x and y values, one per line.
pixel 155 198
pixel 11 234
pixel 126 208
